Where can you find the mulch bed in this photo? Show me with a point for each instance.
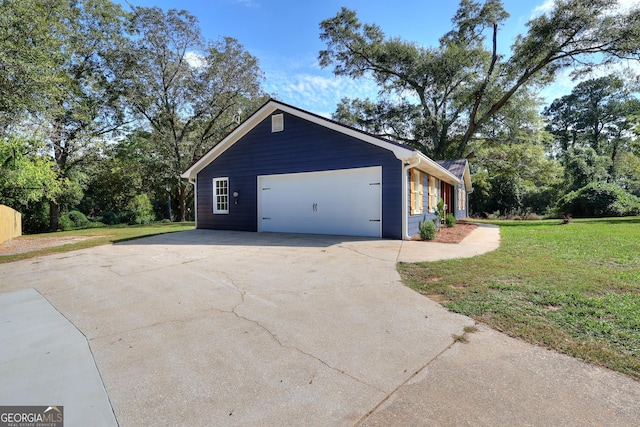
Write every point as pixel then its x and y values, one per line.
pixel 452 234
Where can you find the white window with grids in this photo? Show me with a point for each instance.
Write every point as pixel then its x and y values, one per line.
pixel 220 195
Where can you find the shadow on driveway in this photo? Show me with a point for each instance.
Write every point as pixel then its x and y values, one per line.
pixel 202 237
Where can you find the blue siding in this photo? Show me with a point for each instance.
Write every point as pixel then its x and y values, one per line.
pixel 413 225
pixel 461 211
pixel 303 146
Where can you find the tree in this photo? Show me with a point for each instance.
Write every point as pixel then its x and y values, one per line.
pixel 27 180
pixel 190 92
pixel 596 113
pixel 582 166
pixel 30 35
pixel 628 173
pixel 126 169
pixel 56 81
pixel 25 175
pixel 514 178
pixel 451 91
pixel 599 114
pixel 66 93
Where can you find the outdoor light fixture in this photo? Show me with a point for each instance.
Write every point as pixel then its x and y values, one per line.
pixel 235 196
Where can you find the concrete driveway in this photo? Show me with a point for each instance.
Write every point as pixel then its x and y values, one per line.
pixel 230 328
pixel 237 328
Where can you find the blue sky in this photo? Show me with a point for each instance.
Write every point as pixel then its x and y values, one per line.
pixel 284 36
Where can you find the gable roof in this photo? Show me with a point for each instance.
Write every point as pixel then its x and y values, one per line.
pixel 402 152
pixel 460 168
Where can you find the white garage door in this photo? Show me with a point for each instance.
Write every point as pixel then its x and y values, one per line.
pixel 342 202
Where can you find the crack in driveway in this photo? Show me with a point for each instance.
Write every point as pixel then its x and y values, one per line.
pixel 275 338
pixel 405 382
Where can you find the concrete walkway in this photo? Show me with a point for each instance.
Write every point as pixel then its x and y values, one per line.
pixel 46 361
pixel 228 328
pixel 483 239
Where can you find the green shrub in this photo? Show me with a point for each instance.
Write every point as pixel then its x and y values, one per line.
pixel 127 217
pixel 65 223
pixel 78 218
pixel 427 230
pixel 599 199
pixel 73 220
pixel 539 200
pixel 450 220
pixel 109 218
pixel 142 210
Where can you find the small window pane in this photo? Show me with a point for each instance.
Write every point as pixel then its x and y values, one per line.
pixel 221 195
pixel 277 123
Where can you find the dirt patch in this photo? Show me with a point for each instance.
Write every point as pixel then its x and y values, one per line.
pixel 21 245
pixel 439 298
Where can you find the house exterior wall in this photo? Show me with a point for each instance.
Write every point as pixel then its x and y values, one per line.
pixel 461 206
pixel 413 221
pixel 302 146
pixel 455 206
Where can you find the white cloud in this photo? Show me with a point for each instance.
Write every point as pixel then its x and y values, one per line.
pixel 316 92
pixel 248 3
pixel 626 5
pixel 545 7
pixel 548 5
pixel 194 59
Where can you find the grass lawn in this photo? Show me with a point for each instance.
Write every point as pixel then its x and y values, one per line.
pixel 97 237
pixel 574 288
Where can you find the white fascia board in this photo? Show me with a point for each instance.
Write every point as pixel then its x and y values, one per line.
pixel 432 168
pixel 467 178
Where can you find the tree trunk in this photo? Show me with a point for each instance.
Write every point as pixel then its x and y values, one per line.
pixel 181 201
pixel 54 216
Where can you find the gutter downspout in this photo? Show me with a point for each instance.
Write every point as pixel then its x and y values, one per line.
pixel 194 182
pixel 407 164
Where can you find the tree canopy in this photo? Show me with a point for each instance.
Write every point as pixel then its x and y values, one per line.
pixel 86 87
pixel 438 99
pixel 189 91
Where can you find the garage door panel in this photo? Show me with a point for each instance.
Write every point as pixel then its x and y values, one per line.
pixel 344 202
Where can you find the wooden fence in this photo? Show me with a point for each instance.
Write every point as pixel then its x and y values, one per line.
pixel 10 223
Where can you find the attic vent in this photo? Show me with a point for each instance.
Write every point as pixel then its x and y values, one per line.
pixel 277 123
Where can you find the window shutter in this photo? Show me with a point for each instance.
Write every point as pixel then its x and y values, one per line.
pixel 420 193
pixel 433 194
pixel 412 193
pixel 416 191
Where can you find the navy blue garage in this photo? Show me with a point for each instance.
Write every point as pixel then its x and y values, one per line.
pixel 288 170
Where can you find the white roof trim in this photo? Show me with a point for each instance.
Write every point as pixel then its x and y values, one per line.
pixel 467 178
pixel 433 168
pixel 401 153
